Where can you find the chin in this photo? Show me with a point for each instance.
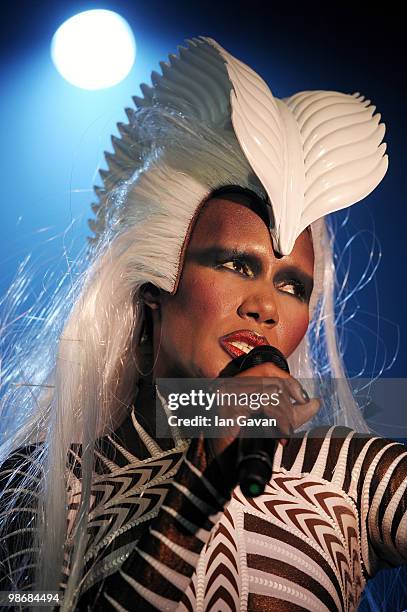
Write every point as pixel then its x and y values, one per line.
pixel 208 373
pixel 211 370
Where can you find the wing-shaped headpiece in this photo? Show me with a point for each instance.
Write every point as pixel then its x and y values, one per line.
pixel 314 152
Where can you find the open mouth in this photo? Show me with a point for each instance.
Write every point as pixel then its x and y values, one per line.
pixel 241 342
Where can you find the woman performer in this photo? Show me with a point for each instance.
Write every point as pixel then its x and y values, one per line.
pixel 210 238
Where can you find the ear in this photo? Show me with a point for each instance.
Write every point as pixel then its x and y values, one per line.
pixel 151 296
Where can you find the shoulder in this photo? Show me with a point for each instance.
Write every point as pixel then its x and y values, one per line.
pixel 330 450
pixel 20 478
pixel 19 485
pixel 18 463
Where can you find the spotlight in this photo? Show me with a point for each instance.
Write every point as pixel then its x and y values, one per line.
pixel 94 49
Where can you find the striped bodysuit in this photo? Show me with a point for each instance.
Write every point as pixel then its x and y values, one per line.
pixel 334 513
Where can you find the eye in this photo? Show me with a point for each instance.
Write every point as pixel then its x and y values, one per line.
pixel 239 266
pixel 294 287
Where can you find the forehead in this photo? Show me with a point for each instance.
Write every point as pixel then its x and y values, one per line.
pixel 220 217
pixel 223 221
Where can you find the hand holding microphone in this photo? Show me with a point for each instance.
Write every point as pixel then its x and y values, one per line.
pixel 255 455
pixel 226 462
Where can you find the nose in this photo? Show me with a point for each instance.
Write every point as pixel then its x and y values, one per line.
pixel 260 306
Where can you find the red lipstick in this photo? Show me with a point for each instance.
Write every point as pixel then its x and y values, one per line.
pixel 244 336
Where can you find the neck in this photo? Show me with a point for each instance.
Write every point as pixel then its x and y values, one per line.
pixel 145 410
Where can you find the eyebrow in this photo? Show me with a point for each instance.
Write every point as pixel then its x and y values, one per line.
pixel 206 256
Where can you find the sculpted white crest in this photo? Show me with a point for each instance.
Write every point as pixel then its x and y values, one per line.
pixel 314 152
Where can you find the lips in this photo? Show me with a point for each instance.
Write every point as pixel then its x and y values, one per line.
pixel 241 342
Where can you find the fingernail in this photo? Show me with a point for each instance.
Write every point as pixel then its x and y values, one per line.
pixel 305 394
pixel 283 441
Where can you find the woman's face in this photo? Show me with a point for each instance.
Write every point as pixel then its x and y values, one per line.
pixel 231 284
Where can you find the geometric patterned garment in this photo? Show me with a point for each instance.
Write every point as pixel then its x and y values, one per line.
pixel 334 513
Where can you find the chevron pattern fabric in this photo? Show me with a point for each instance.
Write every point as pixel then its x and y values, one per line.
pixel 164 537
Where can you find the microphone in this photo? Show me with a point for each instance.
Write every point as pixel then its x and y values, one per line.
pixel 255 465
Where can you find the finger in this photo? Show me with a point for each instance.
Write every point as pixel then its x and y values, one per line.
pixel 297 391
pixel 274 385
pixel 283 418
pixel 280 400
pixel 304 413
pixel 293 389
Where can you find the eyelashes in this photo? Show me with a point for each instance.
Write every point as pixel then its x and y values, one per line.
pixel 241 267
pixel 244 268
pixel 299 288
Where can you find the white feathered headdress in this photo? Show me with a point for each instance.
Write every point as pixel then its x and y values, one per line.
pixel 312 153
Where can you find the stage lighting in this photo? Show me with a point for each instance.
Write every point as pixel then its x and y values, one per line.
pixel 94 49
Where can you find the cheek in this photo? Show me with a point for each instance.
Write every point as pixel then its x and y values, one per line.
pixel 292 327
pixel 206 297
pixel 202 303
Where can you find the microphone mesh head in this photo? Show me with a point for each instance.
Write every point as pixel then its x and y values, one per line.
pixel 259 355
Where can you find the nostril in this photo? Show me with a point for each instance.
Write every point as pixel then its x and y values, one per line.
pixel 255 315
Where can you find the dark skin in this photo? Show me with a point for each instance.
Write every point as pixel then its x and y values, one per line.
pixel 222 291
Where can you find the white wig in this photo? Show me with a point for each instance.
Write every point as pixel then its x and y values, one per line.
pixel 208 122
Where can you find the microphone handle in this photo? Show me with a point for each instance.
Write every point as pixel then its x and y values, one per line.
pixel 255 466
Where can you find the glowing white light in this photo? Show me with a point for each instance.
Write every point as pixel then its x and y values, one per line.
pixel 94 49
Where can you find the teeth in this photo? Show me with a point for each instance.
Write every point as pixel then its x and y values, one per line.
pixel 242 346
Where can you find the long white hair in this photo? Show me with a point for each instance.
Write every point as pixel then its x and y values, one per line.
pixel 80 364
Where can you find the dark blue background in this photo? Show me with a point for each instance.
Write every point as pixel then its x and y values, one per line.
pixel 53 136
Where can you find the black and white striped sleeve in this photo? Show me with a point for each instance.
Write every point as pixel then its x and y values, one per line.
pixel 381 466
pixel 19 479
pixel 158 571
